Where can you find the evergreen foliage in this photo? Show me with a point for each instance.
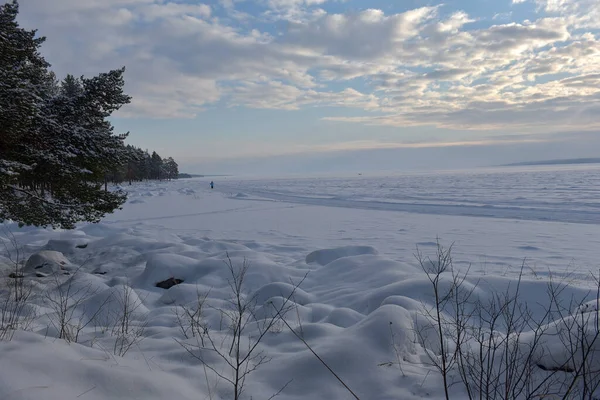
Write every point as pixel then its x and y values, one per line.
pixel 57 148
pixel 139 165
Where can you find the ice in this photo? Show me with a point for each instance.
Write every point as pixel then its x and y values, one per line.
pixel 545 194
pixel 351 244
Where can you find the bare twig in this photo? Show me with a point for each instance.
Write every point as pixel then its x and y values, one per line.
pixel 241 354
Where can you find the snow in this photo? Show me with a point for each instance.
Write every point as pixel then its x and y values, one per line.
pixel 350 243
pixel 46 262
pixel 326 256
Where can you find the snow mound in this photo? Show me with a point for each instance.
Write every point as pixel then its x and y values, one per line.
pixel 241 195
pixel 82 286
pixel 281 289
pixel 107 307
pixel 216 246
pixel 554 355
pixel 319 311
pixel 375 328
pixel 344 351
pixel 160 267
pixel 187 191
pixel 66 245
pixel 183 294
pixel 47 262
pixel 344 317
pixel 326 256
pixel 404 302
pixel 33 368
pixel 137 201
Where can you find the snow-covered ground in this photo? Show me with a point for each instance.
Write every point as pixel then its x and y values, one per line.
pixel 355 237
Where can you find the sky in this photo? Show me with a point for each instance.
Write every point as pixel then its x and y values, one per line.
pixel 243 86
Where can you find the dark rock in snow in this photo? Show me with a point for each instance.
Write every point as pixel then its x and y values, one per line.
pixel 166 284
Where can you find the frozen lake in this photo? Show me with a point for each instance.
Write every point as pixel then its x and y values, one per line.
pixel 554 193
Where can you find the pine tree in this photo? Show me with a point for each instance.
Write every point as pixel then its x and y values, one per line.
pixel 56 144
pixel 23 85
pixel 156 166
pixel 147 165
pixel 133 157
pixel 171 168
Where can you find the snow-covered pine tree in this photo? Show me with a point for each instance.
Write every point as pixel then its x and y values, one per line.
pixel 171 168
pixel 56 144
pixel 134 156
pixel 147 165
pixel 24 84
pixel 23 77
pixel 156 166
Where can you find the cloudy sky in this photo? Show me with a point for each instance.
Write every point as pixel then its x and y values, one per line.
pixel 251 85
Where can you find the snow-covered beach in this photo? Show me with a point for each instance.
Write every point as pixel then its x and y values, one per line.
pixel 349 243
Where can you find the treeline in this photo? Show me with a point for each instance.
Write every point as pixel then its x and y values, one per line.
pixel 141 166
pixel 58 150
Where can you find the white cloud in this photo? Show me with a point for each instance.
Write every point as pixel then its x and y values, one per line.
pixel 157 11
pixel 502 16
pixel 413 67
pixel 364 36
pixel 294 10
pixel 276 95
pixel 579 13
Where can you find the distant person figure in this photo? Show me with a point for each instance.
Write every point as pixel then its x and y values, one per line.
pixel 212 185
